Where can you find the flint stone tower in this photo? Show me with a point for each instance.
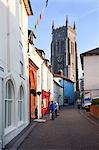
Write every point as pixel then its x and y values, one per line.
pixel 64 52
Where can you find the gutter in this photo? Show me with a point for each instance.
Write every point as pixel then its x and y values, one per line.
pixel 28 7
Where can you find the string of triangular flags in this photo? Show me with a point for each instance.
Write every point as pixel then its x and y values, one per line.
pixel 40 16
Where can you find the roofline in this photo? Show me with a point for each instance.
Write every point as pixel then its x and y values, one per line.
pixel 87 54
pixel 28 7
pixel 62 76
pixel 32 63
pixel 40 50
pixel 57 83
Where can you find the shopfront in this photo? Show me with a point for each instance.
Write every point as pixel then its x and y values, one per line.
pixel 33 88
pixel 45 102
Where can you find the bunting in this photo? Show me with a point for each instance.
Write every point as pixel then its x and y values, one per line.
pixel 46 3
pixel 40 16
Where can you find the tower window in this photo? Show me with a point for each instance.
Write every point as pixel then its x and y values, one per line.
pixel 68 45
pixel 69 60
pixel 72 48
pixel 57 47
pixel 62 46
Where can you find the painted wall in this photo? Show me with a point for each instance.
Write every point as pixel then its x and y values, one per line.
pixel 33 85
pixel 47 86
pixel 68 91
pixel 38 61
pixel 58 90
pixel 91 74
pixel 50 84
pixel 44 76
pixel 13 48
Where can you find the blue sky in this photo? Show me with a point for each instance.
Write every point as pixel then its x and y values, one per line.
pixel 85 13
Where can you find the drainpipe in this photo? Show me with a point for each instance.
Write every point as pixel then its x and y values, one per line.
pixel 42 74
pixel 2 111
pixel 8 37
pixel 1 114
pixel 1 106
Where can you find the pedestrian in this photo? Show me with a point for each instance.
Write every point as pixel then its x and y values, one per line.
pixel 78 103
pixel 56 109
pixel 52 110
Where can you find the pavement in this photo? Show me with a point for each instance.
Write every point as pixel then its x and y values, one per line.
pixel 15 143
pixel 63 130
pixel 89 117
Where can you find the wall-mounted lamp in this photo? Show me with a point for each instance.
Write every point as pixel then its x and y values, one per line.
pixel 39 93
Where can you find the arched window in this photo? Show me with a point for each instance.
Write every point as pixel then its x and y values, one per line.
pixel 20 104
pixel 9 100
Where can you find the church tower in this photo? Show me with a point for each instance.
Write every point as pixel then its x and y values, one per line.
pixel 64 51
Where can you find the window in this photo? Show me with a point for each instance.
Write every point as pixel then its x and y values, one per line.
pixel 9 100
pixel 68 45
pixel 21 67
pixel 62 46
pixel 57 47
pixel 20 104
pixel 54 46
pixel 72 48
pixel 69 59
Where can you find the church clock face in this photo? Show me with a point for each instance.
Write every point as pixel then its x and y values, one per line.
pixel 59 59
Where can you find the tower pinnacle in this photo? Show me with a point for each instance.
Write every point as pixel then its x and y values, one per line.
pixel 74 27
pixel 66 21
pixel 53 25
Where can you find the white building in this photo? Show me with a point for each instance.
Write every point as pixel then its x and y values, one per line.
pixel 38 61
pixel 58 90
pixel 14 106
pixel 90 66
pixel 44 75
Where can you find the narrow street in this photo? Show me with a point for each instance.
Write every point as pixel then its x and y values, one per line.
pixel 70 131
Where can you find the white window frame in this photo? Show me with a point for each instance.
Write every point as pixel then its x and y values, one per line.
pixel 20 104
pixel 7 100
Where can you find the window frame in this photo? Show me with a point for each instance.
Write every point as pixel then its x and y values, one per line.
pixel 7 100
pixel 21 69
pixel 21 104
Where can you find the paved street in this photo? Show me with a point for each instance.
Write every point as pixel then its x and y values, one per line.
pixel 70 131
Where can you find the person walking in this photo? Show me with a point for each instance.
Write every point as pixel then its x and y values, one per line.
pixel 78 103
pixel 56 109
pixel 52 110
